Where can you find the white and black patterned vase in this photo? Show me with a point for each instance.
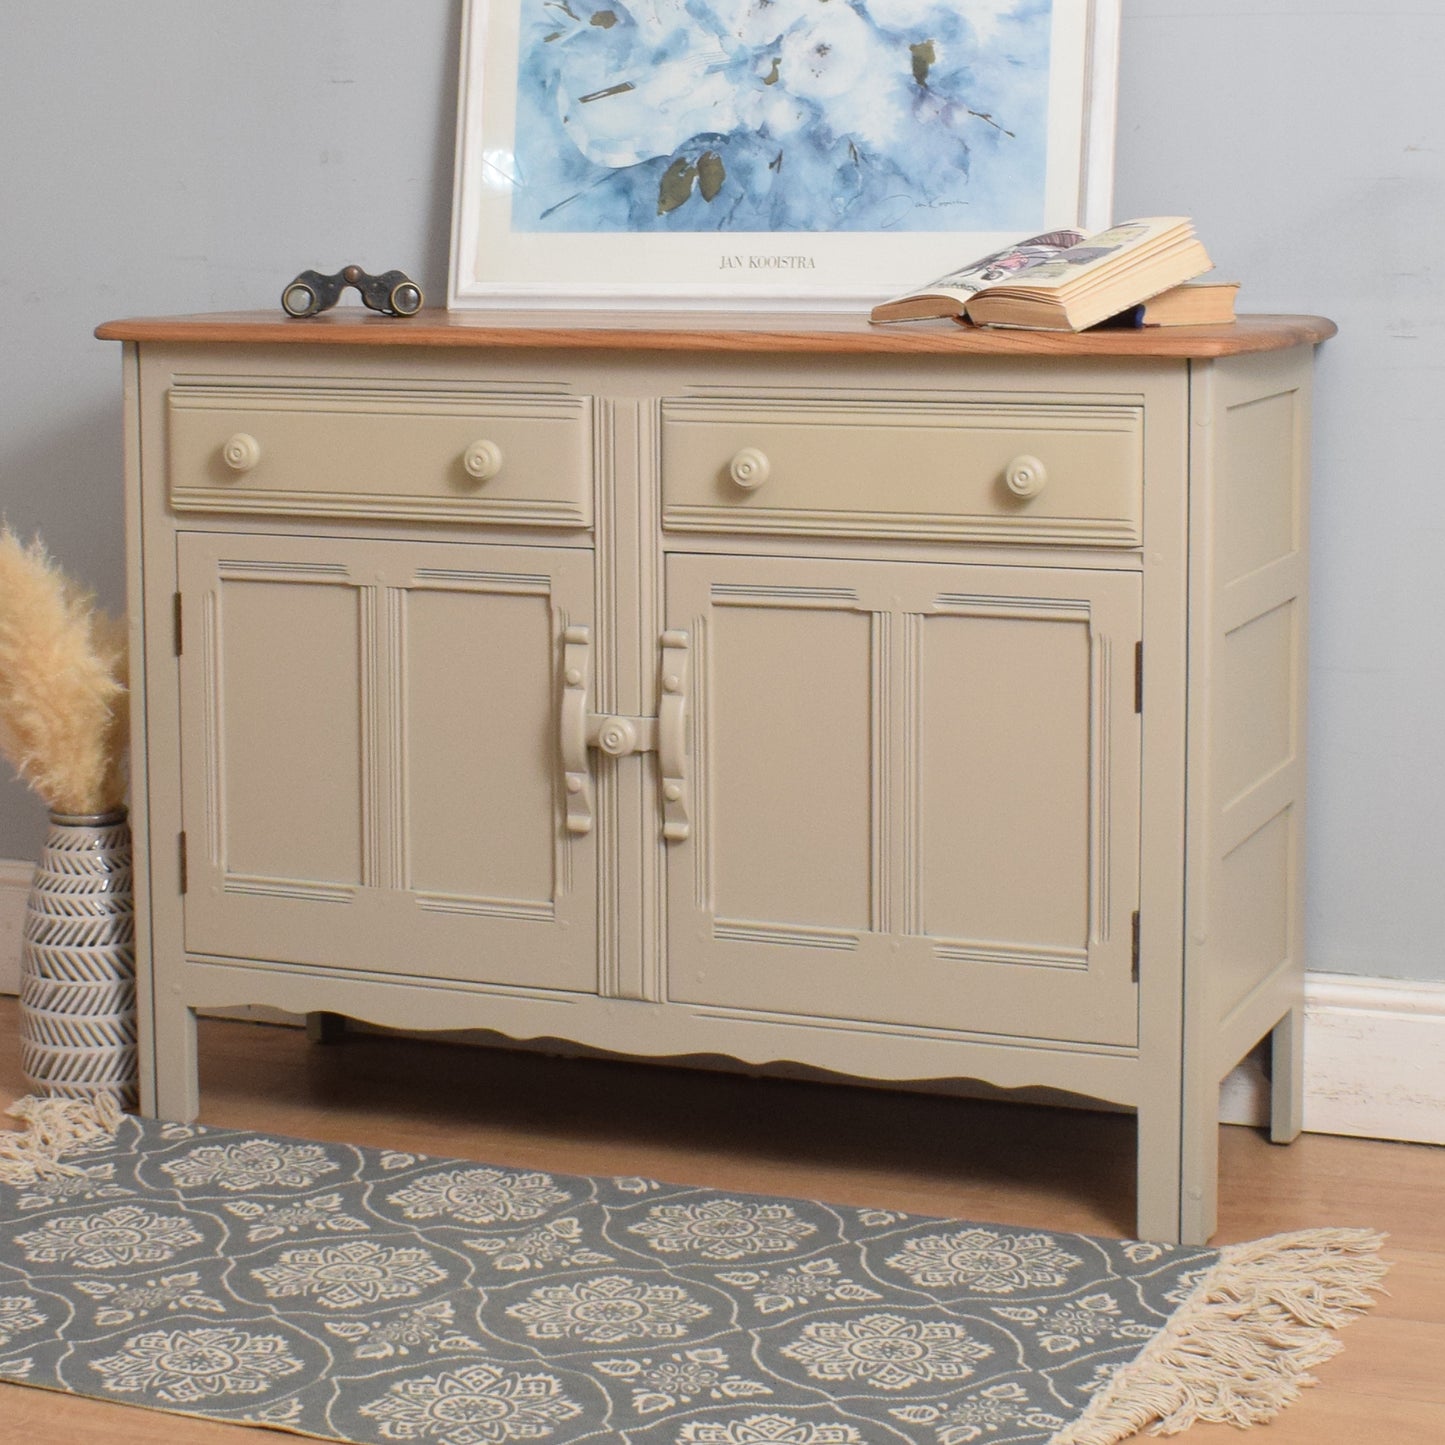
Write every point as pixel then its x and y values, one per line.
pixel 77 963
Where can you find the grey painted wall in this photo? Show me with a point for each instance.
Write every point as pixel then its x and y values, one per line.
pixel 163 155
pixel 1307 137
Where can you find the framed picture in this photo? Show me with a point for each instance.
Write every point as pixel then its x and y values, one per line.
pixel 769 155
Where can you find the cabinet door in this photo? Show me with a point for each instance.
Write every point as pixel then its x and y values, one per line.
pixel 916 797
pixel 370 775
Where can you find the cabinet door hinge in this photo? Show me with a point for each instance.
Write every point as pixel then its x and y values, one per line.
pixel 185 864
pixel 1138 677
pixel 176 619
pixel 1134 947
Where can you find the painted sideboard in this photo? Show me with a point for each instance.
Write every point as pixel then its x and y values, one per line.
pixel 914 703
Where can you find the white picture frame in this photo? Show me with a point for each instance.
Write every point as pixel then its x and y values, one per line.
pixel 615 158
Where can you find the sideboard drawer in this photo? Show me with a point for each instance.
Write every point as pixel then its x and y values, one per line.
pixel 342 450
pixel 1052 472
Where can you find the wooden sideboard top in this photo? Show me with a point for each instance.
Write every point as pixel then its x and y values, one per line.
pixel 715 332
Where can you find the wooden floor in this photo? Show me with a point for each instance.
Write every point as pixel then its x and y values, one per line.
pixel 1056 1169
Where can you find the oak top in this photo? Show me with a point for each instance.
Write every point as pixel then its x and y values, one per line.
pixel 713 331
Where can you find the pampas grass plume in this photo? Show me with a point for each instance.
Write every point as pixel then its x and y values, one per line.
pixel 64 700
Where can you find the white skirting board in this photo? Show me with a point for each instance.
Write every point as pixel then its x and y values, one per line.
pixel 1374 1047
pixel 1375 1058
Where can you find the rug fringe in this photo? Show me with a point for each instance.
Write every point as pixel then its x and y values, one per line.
pixel 54 1128
pixel 1240 1347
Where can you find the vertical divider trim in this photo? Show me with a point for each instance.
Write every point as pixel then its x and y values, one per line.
pixel 911 789
pixel 881 867
pixel 1100 784
pixel 211 683
pixel 394 671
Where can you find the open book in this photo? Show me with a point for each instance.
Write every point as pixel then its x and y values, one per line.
pixel 1062 280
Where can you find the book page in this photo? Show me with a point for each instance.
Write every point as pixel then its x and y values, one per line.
pixel 1001 265
pixel 1098 252
pixel 998 266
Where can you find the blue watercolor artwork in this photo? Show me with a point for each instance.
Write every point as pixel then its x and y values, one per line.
pixel 781 115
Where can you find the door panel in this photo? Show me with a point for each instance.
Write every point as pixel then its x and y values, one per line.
pixel 291 719
pixel 1002 778
pixel 917 795
pixel 790 798
pixel 479 744
pixel 370 776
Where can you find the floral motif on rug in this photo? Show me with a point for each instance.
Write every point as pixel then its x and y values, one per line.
pixel 378 1296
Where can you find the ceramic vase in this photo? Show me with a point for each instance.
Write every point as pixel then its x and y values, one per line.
pixel 77 985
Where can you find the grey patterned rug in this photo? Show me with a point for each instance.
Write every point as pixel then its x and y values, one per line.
pixel 377 1295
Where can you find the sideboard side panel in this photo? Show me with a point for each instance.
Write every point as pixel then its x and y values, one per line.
pixel 1244 944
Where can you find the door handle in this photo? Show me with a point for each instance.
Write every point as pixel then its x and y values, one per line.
pixel 578 729
pixel 672 736
pixel 572 726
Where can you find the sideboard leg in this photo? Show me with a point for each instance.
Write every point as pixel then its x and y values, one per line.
pixel 1199 1157
pixel 1286 1088
pixel 1179 1165
pixel 178 1094
pixel 1158 1171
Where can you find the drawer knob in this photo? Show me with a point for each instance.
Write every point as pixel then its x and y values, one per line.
pixel 241 452
pixel 482 460
pixel 1025 476
pixel 750 468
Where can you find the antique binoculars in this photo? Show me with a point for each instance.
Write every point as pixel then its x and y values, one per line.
pixel 393 293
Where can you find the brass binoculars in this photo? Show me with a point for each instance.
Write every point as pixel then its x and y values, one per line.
pixel 393 293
